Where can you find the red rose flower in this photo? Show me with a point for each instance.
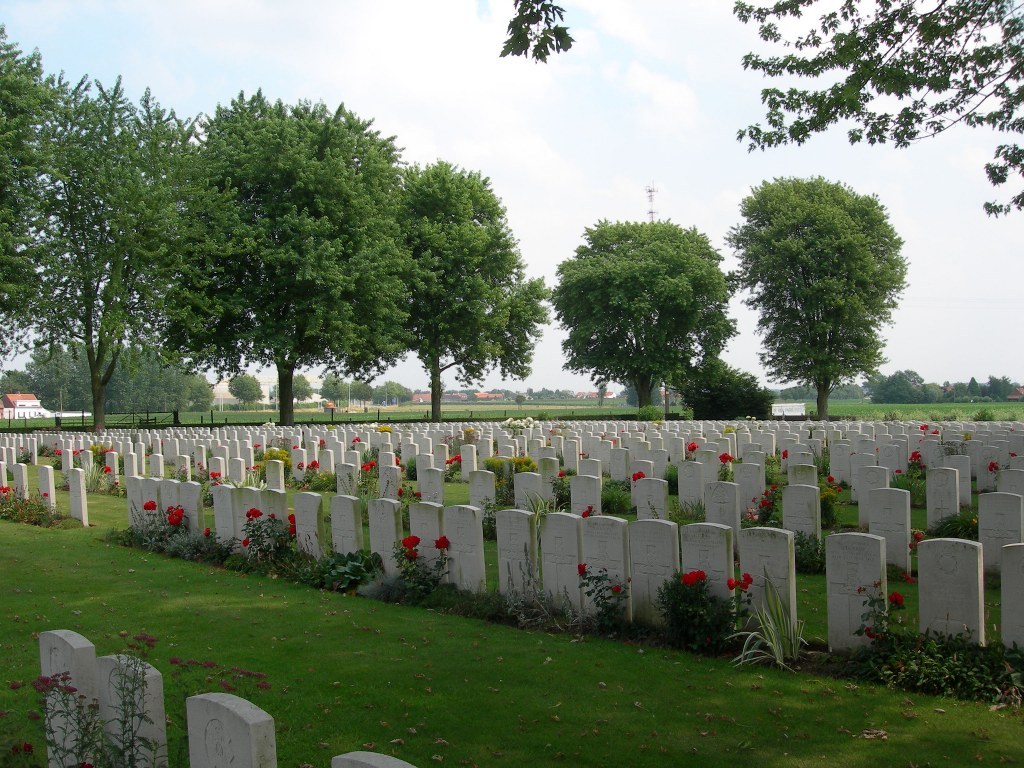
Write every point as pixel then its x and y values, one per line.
pixel 588 511
pixel 830 479
pixel 785 454
pixel 616 589
pixel 691 447
pixel 149 506
pixel 581 569
pixel 732 583
pixel 206 532
pixel 896 599
pixel 411 554
pixel 107 470
pixel 411 542
pixel 638 476
pixel 245 542
pixel 725 458
pixel 442 543
pixel 993 466
pixel 400 492
pixel 253 514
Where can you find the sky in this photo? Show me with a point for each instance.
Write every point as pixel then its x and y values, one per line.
pixel 651 94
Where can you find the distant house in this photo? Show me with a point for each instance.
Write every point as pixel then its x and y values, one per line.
pixel 587 396
pixel 1016 395
pixel 19 405
pixel 488 395
pixel 421 397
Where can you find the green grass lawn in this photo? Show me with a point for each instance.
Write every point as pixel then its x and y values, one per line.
pixel 348 673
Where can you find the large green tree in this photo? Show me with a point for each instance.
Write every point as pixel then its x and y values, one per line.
pixel 473 307
pixel 24 101
pixel 716 390
pixel 946 63
pixel 308 265
pixel 642 302
pixel 108 224
pixel 246 389
pixel 823 268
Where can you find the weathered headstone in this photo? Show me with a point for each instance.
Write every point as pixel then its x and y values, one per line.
pixel 225 730
pixel 769 553
pixel 888 512
pixel 385 530
pixel 308 509
pixel 1012 591
pixel 801 509
pixel 709 547
pixel 78 504
pixel 606 549
pixel 463 526
pixel 854 572
pixel 431 485
pixel 1000 522
pixel 942 494
pixel 654 558
pixel 561 543
pixel 584 495
pixel 722 504
pixel 951 590
pixel 517 550
pixel 131 704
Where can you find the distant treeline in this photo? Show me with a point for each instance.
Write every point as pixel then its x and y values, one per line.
pixel 910 387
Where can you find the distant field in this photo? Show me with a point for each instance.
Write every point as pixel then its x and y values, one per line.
pixel 924 412
pixel 554 409
pixel 561 409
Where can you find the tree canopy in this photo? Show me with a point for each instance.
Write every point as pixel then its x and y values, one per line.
pixel 472 309
pixel 107 226
pixel 309 266
pixel 246 389
pixel 535 31
pixel 25 99
pixel 642 302
pixel 946 63
pixel 823 267
pixel 716 390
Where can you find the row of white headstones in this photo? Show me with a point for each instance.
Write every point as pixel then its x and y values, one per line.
pixel 628 552
pixel 223 729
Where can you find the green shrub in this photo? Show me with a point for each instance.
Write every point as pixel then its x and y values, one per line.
pixel 410 468
pixel 649 413
pixel 893 416
pixel 616 498
pixel 338 572
pixel 810 553
pixel 916 485
pixel 985 414
pixel 672 477
pixel 961 526
pixel 31 511
pixel 695 619
pixel 943 665
pixel 690 512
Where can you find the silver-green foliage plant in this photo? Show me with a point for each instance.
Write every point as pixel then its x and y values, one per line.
pixel 778 639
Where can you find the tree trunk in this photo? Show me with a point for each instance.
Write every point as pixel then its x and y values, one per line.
pixel 435 390
pixel 285 401
pixel 643 385
pixel 99 396
pixel 823 392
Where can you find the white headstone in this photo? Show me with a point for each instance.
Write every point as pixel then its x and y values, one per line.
pixel 854 572
pixel 654 559
pixel 561 543
pixel 225 730
pixel 1000 522
pixel 888 512
pixel 951 591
